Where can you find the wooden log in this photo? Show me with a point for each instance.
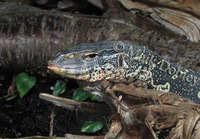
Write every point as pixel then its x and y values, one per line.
pixel 28 40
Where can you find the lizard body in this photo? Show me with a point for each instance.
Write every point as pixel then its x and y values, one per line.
pixel 120 62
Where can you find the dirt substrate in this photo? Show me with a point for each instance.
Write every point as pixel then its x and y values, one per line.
pixel 30 116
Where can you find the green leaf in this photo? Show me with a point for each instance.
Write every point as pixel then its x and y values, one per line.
pixel 91 127
pixel 93 97
pixel 59 88
pixel 24 83
pixel 80 95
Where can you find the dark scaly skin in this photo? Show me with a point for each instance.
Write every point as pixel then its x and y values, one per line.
pixel 119 62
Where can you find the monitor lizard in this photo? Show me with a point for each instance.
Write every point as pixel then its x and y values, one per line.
pixel 116 61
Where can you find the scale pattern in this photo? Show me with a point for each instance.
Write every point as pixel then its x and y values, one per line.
pixel 120 62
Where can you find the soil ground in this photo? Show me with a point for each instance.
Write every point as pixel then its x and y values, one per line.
pixel 30 115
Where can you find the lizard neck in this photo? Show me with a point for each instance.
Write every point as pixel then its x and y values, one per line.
pixel 160 74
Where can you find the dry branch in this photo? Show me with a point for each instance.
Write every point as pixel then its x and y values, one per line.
pixel 87 107
pixel 155 110
pixel 174 20
pixel 190 6
pixel 138 112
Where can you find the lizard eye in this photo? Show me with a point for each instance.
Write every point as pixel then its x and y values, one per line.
pixel 90 56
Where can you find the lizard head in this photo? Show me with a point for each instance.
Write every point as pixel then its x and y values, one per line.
pixel 90 62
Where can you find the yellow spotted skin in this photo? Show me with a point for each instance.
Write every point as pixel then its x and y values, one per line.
pixel 120 62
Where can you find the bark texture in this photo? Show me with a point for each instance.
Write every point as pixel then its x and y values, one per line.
pixel 190 6
pixel 29 40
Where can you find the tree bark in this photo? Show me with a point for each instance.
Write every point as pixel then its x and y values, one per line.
pixel 28 40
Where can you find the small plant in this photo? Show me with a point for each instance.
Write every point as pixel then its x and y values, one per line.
pixel 59 88
pixel 91 126
pixel 24 83
pixel 81 95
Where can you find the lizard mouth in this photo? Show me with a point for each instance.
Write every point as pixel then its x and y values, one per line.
pixel 71 72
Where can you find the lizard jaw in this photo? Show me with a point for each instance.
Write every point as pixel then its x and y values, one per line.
pixel 68 73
